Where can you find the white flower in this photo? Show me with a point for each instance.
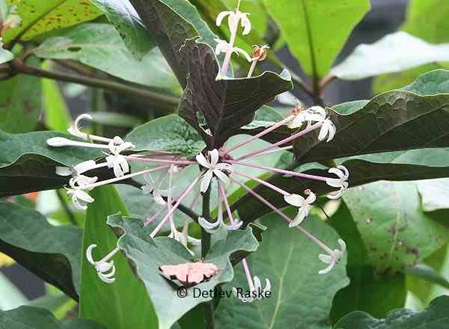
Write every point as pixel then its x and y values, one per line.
pixel 153 187
pixel 327 129
pixel 304 205
pixel 105 268
pixel 78 184
pixel 311 115
pixel 76 170
pixel 118 145
pixel 213 227
pixel 234 19
pixel 80 199
pixel 332 257
pixel 183 237
pixel 117 161
pixel 340 182
pixel 219 170
pixel 225 47
pixel 255 292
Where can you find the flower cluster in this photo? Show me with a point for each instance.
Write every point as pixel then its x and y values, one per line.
pixel 216 170
pixel 237 20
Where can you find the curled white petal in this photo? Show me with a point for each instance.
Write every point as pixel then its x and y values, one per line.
pixel 341 182
pixel 75 127
pixel 89 256
pixel 206 180
pixel 222 16
pixel 105 279
pixel 245 23
pixel 327 130
pixel 210 227
pixel 240 51
pixel 333 257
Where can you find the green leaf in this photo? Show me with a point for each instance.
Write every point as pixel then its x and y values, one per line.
pixel 299 294
pixel 225 104
pixel 57 116
pixel 51 253
pixel 27 164
pixel 396 231
pixel 100 46
pixel 393 53
pixel 307 24
pixel 123 304
pixel 149 254
pixel 20 103
pixel 26 317
pixel 434 317
pixel 127 22
pixel 367 292
pixel 434 194
pixel 169 30
pixel 397 120
pixel 428 21
pixel 170 133
pixel 43 16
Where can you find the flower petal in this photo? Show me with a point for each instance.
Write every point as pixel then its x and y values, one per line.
pixel 89 250
pixel 214 156
pixel 294 199
pixel 64 171
pixel 205 181
pixel 221 16
pixel 201 159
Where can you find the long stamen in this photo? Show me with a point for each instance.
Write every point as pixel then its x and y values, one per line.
pixel 169 198
pixel 151 219
pixel 252 67
pixel 262 133
pixel 118 179
pixel 173 162
pixel 284 216
pixel 181 197
pixel 261 181
pixel 228 208
pixel 110 255
pixel 248 274
pixel 62 142
pixel 285 148
pixel 284 141
pixel 279 171
pixel 97 138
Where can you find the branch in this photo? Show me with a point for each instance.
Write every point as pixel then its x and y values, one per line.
pixel 17 67
pixel 209 320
